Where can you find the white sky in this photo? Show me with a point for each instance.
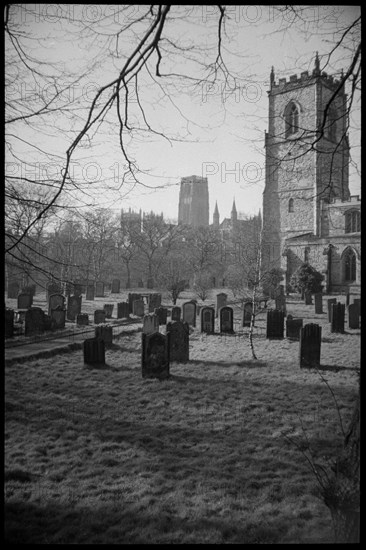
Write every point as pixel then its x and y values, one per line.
pixel 226 132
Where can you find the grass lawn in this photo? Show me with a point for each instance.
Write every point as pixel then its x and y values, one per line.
pixel 215 454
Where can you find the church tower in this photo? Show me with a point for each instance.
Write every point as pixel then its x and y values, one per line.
pixel 307 158
pixel 193 202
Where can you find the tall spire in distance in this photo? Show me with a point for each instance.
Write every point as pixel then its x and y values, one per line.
pixel 234 214
pixel 216 217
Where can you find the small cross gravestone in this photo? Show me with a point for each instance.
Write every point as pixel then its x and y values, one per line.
pixel 330 302
pixel 13 289
pixel 354 316
pixel 73 307
pixel 82 319
pixel 310 344
pixel 34 321
pixel 337 322
pixel 138 308
pixel 178 341
pixel 247 314
pixel 189 313
pixel 9 323
pixel 293 327
pixel 226 319
pixel 108 308
pixel 150 323
pixel 318 298
pixel 99 289
pixel 24 301
pixel 90 292
pixel 116 285
pixel 123 310
pixel 207 315
pixel 99 316
pixel 275 323
pixel 155 355
pixel 221 301
pixel 162 314
pixel 176 313
pixel 94 351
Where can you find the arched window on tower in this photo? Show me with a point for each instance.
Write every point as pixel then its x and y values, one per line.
pixel 349 263
pixel 292 119
pixel 353 221
pixel 291 205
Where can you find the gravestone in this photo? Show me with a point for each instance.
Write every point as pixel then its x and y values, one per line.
pixel 189 313
pixel 280 302
pixel 138 308
pixel 99 289
pixel 221 301
pixel 78 290
pixel 293 327
pixel 24 301
pixel 247 314
pixel 34 321
pixel 154 301
pixel 29 289
pixel 354 316
pixel 108 308
pixel 73 307
pixel 105 333
pixel 123 310
pixel 318 298
pixel 132 297
pixel 226 319
pixel 9 323
pixel 155 355
pixel 308 298
pixel 99 316
pixel 176 313
pixel 275 323
pixel 330 302
pixel 13 289
pixel 150 324
pixel 162 314
pixel 337 322
pixel 82 319
pixel 310 344
pixel 179 341
pixel 116 284
pixel 94 351
pixel 90 293
pixel 53 288
pixel 207 316
pixel 56 301
pixel 58 317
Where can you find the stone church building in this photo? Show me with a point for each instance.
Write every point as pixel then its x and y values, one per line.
pixel 308 212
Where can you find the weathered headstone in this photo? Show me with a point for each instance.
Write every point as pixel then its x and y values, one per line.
pixel 162 314
pixel 354 316
pixel 310 346
pixel 337 322
pixel 221 301
pixel 58 316
pixel 275 323
pixel 207 315
pixel 99 289
pixel 189 313
pixel 99 316
pixel 53 288
pixel 82 319
pixel 123 310
pixel 293 327
pixel 176 313
pixel 13 289
pixel 132 297
pixel 116 284
pixel 105 333
pixel 94 351
pixel 73 307
pixel 330 302
pixel 226 314
pixel 150 324
pixel 155 355
pixel 154 301
pixel 56 301
pixel 9 323
pixel 108 308
pixel 318 298
pixel 308 298
pixel 34 321
pixel 24 301
pixel 138 308
pixel 78 290
pixel 178 341
pixel 90 292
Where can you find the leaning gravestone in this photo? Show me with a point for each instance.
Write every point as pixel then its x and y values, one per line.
pixel 94 351
pixel 337 323
pixel 176 313
pixel 226 314
pixel 34 321
pixel 82 319
pixel 9 323
pixel 293 327
pixel 105 333
pixel 354 316
pixel 207 315
pixel 318 297
pixel 58 316
pixel 90 292
pixel 116 284
pixel 221 301
pixel 138 308
pixel 275 323
pixel 179 341
pixel 13 289
pixel 99 316
pixel 150 324
pixel 123 310
pixel 330 302
pixel 24 301
pixel 247 314
pixel 56 301
pixel 310 343
pixel 73 307
pixel 189 313
pixel 162 314
pixel 155 355
pixel 108 308
pixel 99 289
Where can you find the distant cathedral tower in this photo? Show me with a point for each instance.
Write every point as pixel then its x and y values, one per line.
pixel 193 202
pixel 306 158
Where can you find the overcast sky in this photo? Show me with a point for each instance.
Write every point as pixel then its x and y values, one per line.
pixel 223 131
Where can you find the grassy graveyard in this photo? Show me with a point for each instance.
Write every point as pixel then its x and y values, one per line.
pixel 218 453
